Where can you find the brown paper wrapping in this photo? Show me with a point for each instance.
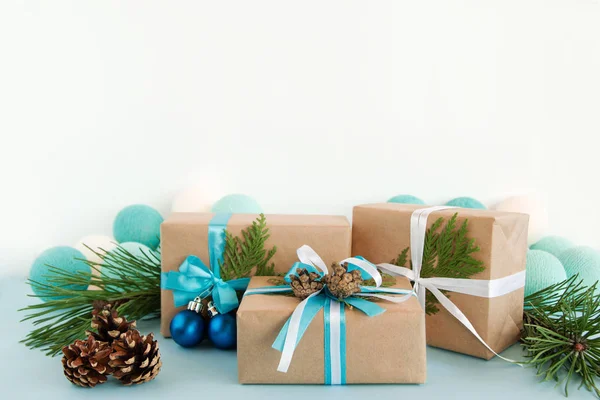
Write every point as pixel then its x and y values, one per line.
pixel 388 348
pixel 382 231
pixel 183 234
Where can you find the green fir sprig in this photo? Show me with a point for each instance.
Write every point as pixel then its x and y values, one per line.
pixel 447 253
pixel 122 277
pixel 561 333
pixel 246 254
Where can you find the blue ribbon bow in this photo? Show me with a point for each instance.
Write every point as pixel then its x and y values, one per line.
pixel 333 312
pixel 194 279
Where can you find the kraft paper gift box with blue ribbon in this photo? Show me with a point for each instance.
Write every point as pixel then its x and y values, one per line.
pixel 479 316
pixel 375 336
pixel 192 244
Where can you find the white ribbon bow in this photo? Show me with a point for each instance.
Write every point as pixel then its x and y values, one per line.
pixel 474 287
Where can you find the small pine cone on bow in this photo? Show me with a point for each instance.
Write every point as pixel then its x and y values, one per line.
pixel 135 358
pixel 305 283
pixel 108 324
pixel 85 362
pixel 342 283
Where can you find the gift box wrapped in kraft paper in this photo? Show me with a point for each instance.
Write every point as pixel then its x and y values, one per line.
pixel 374 334
pixel 197 251
pixel 468 269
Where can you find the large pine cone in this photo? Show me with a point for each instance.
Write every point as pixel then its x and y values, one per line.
pixel 85 362
pixel 108 323
pixel 135 358
pixel 342 283
pixel 305 283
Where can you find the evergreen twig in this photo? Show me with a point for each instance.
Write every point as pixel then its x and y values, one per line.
pixel 561 333
pixel 447 253
pixel 248 253
pixel 133 281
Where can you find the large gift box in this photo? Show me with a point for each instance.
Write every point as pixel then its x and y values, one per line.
pixel 479 292
pixel 202 236
pixel 384 348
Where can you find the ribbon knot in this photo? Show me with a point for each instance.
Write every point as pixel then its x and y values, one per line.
pixel 474 287
pixel 333 311
pixel 194 279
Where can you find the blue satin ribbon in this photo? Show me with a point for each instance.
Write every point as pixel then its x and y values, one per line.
pixel 194 278
pixel 324 300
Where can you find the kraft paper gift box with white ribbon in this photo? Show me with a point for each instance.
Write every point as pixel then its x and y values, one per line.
pixel 187 234
pixel 495 309
pixel 385 346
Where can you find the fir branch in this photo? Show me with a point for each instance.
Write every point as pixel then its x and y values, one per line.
pixel 447 253
pixel 561 333
pixel 133 281
pixel 244 255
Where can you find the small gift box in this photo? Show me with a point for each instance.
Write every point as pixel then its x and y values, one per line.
pixel 195 254
pixel 468 269
pixel 375 334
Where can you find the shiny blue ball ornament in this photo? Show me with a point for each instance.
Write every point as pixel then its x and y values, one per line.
pixel 187 328
pixel 222 331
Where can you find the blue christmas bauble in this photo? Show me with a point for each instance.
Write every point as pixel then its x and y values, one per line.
pixel 187 328
pixel 552 244
pixel 138 223
pixel 63 257
pixel 466 202
pixel 406 199
pixel 582 260
pixel 238 204
pixel 542 270
pixel 222 331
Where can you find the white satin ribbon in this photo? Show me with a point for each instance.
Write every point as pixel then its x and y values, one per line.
pixel 308 256
pixel 475 287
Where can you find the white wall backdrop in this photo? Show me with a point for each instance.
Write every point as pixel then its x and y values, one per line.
pixel 310 107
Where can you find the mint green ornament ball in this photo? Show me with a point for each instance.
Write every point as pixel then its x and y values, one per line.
pixel 63 257
pixel 405 199
pixel 543 270
pixel 582 260
pixel 238 204
pixel 466 202
pixel 138 223
pixel 554 245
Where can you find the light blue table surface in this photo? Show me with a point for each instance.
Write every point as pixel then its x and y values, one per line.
pixel 208 373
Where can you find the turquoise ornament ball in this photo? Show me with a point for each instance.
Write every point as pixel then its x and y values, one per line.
pixel 405 199
pixel 466 202
pixel 554 245
pixel 138 223
pixel 63 257
pixel 238 204
pixel 582 260
pixel 543 270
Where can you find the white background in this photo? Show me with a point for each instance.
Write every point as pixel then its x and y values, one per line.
pixel 309 106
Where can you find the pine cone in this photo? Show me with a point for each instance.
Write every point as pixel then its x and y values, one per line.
pixel 305 283
pixel 135 358
pixel 342 283
pixel 85 362
pixel 108 323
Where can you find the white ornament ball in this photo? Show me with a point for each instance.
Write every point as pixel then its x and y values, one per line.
pixel 96 243
pixel 197 198
pixel 532 205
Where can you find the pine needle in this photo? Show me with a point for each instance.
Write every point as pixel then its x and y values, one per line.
pixel 561 333
pixel 133 280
